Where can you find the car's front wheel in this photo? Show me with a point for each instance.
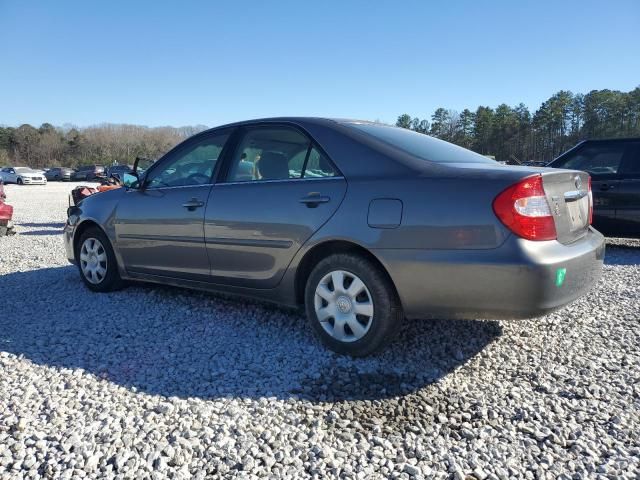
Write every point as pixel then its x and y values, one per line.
pixel 97 262
pixel 352 305
pixel 19 181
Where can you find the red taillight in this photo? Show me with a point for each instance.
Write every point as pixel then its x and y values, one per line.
pixel 524 210
pixel 590 203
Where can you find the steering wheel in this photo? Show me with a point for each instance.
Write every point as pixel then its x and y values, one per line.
pixel 195 176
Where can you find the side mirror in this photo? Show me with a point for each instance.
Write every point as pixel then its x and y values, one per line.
pixel 130 180
pixel 140 166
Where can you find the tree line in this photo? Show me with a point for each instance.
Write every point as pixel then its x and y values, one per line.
pixel 514 135
pixel 104 144
pixel 511 134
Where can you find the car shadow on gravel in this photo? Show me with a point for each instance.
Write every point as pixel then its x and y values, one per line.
pixel 40 232
pixel 173 342
pixel 46 228
pixel 42 225
pixel 622 255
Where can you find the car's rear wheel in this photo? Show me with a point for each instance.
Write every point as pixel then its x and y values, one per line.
pixel 352 305
pixel 97 262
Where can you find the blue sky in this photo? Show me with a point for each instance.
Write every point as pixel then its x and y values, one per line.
pixel 184 63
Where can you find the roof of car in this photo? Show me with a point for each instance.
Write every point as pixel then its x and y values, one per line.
pixel 315 120
pixel 625 139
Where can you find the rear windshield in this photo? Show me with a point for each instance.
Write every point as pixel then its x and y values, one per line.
pixel 420 145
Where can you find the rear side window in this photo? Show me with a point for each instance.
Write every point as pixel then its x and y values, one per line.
pixel 596 159
pixel 318 165
pixel 269 153
pixel 631 164
pixel 420 145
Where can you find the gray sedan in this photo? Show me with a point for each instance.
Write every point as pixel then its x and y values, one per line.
pixel 59 173
pixel 363 224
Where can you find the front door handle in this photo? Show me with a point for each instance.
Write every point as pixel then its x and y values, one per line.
pixel 314 199
pixel 192 204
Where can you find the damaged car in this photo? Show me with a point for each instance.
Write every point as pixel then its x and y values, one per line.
pixel 360 223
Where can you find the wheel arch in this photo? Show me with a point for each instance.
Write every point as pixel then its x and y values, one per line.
pixel 80 229
pixel 324 249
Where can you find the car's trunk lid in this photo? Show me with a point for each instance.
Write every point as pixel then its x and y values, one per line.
pixel 567 193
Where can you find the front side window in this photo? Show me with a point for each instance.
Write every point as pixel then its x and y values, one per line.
pixel 192 165
pixel 269 153
pixel 595 159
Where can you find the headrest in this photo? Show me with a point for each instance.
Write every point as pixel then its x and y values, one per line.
pixel 273 166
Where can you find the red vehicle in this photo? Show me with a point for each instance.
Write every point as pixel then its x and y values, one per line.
pixel 6 213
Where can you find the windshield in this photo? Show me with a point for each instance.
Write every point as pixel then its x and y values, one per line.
pixel 23 169
pixel 420 145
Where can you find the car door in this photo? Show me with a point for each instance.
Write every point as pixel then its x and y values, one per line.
pixel 602 160
pixel 9 175
pixel 159 226
pixel 628 206
pixel 278 188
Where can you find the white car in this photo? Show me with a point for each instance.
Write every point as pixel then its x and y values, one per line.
pixel 22 176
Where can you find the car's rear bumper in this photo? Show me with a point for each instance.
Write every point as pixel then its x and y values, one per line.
pixel 520 279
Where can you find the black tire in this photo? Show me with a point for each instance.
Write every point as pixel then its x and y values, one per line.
pixel 387 316
pixel 111 281
pixel 19 181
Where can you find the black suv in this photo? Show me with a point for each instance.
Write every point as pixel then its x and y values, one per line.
pixel 614 166
pixel 88 172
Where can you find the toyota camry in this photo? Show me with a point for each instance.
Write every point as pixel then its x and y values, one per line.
pixel 361 223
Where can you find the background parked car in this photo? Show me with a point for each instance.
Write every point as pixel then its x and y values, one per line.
pixel 88 172
pixel 6 213
pixel 614 166
pixel 22 176
pixel 59 173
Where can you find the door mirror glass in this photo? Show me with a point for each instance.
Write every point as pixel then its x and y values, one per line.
pixel 130 180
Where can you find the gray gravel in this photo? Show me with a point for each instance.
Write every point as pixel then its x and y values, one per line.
pixel 156 382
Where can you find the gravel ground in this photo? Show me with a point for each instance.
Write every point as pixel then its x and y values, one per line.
pixel 156 382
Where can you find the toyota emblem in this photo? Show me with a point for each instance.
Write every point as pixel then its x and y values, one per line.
pixel 578 183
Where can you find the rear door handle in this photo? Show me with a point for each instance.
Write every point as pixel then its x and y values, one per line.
pixel 606 186
pixel 193 204
pixel 314 199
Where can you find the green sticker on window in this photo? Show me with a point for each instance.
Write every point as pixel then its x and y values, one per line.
pixel 560 274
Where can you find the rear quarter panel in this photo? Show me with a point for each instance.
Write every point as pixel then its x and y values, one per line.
pixel 437 213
